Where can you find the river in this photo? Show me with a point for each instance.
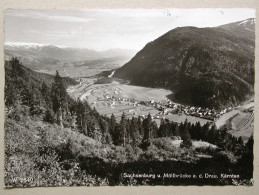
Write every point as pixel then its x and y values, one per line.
pixel 111 74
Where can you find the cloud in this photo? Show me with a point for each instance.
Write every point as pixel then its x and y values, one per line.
pixel 47 15
pixel 68 19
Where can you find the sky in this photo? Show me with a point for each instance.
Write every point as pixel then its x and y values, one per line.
pixel 104 29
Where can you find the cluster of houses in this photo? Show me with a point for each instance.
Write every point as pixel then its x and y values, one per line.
pixel 118 100
pixel 165 108
pixel 170 107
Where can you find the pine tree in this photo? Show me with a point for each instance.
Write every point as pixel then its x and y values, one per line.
pixel 135 132
pixel 73 122
pixel 163 130
pixel 129 131
pixel 186 138
pixel 148 129
pixel 205 131
pixel 172 128
pixel 118 137
pixel 123 124
pixel 46 94
pixel 154 130
pixel 10 93
pixel 197 131
pixel 212 136
pixel 140 127
pixel 16 68
pixel 112 125
pixel 59 98
pixel 48 117
pixel 80 115
pixel 247 159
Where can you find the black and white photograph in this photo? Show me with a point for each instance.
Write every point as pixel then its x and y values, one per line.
pixel 129 97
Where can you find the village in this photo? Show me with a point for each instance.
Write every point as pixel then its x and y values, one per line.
pixel 116 98
pixel 133 101
pixel 167 108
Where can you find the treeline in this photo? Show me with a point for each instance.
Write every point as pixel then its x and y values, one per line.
pixel 44 96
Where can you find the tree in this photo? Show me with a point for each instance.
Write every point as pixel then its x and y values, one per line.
pixel 123 124
pixel 129 131
pixel 26 96
pixel 46 94
pixel 135 132
pixel 118 138
pixel 148 130
pixel 112 125
pixel 212 135
pixel 11 95
pixel 205 131
pixel 186 138
pixel 196 131
pixel 73 125
pixel 164 129
pixel 34 105
pixel 48 117
pixel 80 115
pixel 172 128
pixel 104 127
pixel 16 68
pixel 59 98
pixel 161 130
pixel 140 127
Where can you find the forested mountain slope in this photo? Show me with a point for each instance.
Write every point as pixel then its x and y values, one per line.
pixel 210 67
pixel 52 140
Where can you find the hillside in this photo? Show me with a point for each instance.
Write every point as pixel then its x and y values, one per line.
pixel 210 67
pixel 74 145
pixel 34 78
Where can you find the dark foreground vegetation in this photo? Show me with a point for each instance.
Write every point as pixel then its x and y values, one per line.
pixel 53 140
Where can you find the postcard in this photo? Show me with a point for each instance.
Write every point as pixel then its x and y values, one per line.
pixel 129 97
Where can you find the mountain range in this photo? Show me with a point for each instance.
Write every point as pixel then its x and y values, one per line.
pixel 208 67
pixel 68 61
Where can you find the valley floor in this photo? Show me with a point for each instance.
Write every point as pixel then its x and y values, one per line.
pixel 116 98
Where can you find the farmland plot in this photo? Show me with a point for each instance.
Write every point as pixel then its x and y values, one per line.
pixel 115 98
pixel 243 125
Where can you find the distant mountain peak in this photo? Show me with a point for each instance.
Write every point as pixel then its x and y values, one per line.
pixel 31 45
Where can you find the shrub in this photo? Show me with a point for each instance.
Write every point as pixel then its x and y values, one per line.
pixel 49 116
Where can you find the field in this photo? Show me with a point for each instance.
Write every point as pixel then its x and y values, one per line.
pixel 240 120
pixel 243 125
pixel 182 117
pixel 195 144
pixel 115 98
pixel 222 120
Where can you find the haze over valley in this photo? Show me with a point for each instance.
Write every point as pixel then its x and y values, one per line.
pixel 72 62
